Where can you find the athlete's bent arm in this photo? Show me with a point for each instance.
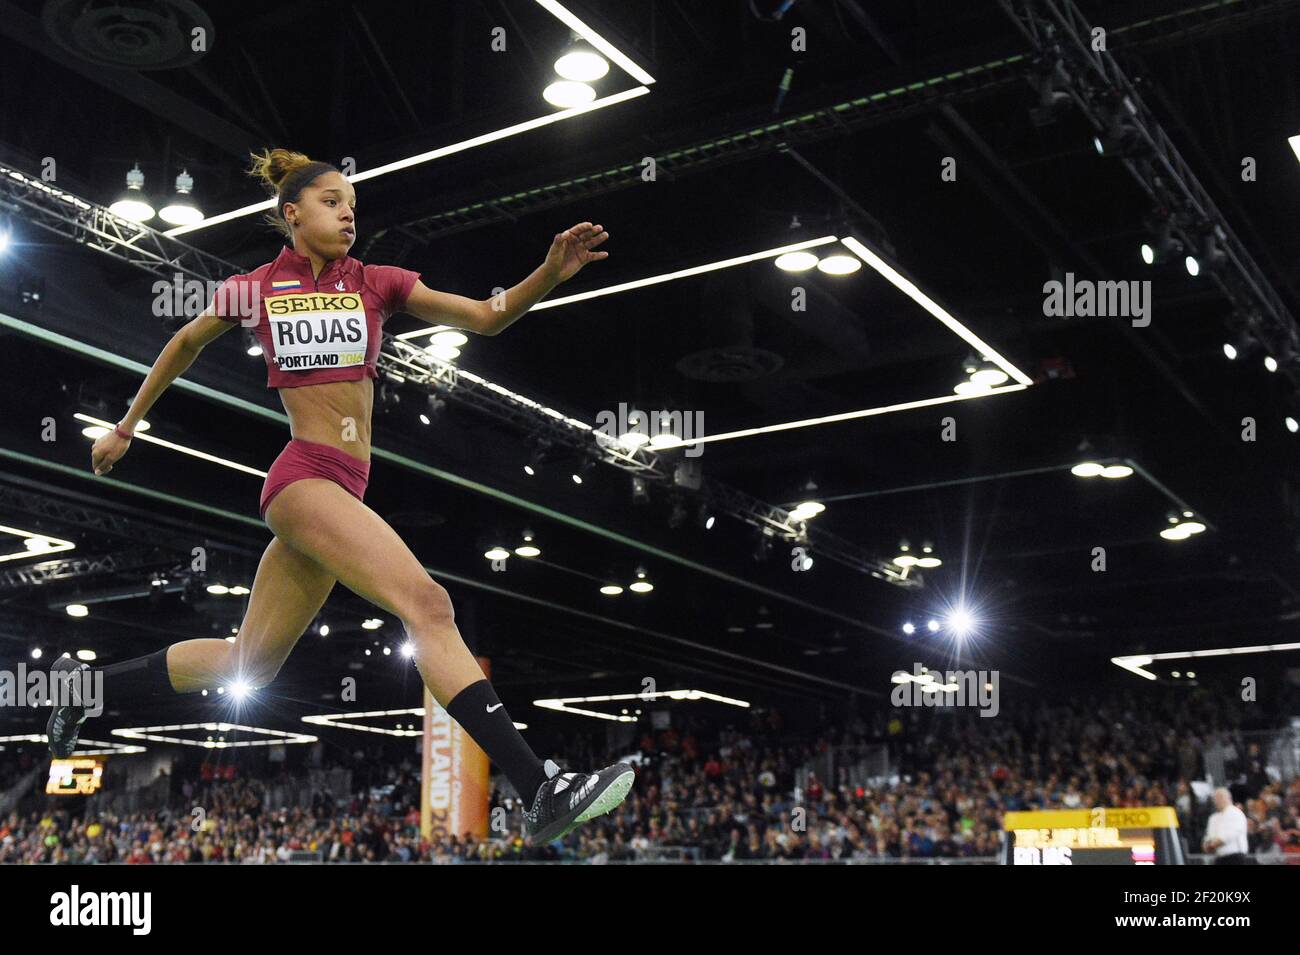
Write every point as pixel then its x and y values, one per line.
pixel 177 355
pixel 570 250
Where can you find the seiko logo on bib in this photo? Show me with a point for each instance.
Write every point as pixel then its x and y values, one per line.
pixel 317 330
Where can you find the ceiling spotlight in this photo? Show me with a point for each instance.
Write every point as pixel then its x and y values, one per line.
pixel 807 509
pixel 442 351
pixel 640 492
pixel 932 626
pixel 1292 425
pixel 990 377
pixel 133 204
pixel 1121 135
pixel 1210 257
pixel 1087 469
pixel 239 690
pixel 371 623
pixel 928 562
pixel 966 388
pixel 704 518
pixel 448 338
pixel 795 261
pixel 641 585
pixel 496 553
pixel 528 548
pixel 86 655
pixel 568 93
pixel 1270 363
pixel 1164 244
pixel 1116 471
pixel 581 64
pixel 584 470
pixel 839 264
pixel 633 439
pixel 76 610
pixel 323 629
pixel 181 210
pixel 1230 351
pixel 252 347
pixel 36 653
pixel 408 649
pixel 611 590
pixel 909 628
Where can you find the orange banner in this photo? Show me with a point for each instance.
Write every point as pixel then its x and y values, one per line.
pixel 454 775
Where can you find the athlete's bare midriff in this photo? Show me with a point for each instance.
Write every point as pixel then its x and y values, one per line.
pixel 332 413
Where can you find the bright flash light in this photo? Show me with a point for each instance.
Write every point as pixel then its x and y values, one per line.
pixel 960 622
pixel 933 626
pixel 909 628
pixel 240 690
pixel 408 649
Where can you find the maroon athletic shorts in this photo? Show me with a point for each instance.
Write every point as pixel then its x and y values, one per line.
pixel 307 459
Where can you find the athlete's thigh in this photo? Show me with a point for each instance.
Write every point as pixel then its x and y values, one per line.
pixel 288 592
pixel 352 542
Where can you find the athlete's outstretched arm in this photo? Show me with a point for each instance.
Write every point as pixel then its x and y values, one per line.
pixel 177 355
pixel 570 250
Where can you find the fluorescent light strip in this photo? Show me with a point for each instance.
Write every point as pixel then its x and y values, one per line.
pixel 566 17
pixel 331 720
pixel 424 157
pixel 651 280
pixel 829 419
pixel 1135 662
pixel 107 748
pixel 909 289
pixel 203 455
pixel 890 274
pixel 683 273
pixel 57 544
pixel 595 39
pixel 561 705
pixel 280 738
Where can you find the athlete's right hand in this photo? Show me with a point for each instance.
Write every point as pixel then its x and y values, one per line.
pixel 107 451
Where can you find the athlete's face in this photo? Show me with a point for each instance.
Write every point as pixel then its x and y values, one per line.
pixel 325 217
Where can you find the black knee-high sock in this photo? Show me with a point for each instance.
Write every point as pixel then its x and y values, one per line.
pixel 138 678
pixel 479 712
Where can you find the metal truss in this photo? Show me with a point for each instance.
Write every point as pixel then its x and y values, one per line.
pixel 72 217
pixel 132 560
pixel 1060 34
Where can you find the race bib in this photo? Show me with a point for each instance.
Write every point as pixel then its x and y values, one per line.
pixel 317 330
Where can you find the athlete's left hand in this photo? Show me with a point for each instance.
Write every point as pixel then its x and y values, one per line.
pixel 572 249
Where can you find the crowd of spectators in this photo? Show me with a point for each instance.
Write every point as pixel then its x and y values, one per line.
pixel 761 791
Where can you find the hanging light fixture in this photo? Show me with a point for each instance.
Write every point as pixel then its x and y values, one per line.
pixel 181 210
pixel 133 204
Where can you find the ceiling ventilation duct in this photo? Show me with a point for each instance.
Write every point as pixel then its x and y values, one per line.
pixel 727 322
pixel 129 34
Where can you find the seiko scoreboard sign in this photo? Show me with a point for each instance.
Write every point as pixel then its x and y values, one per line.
pixel 1141 836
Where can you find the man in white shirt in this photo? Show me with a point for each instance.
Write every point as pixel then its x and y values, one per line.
pixel 1225 835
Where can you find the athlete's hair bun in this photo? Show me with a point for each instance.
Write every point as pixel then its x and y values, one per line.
pixel 285 174
pixel 274 166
